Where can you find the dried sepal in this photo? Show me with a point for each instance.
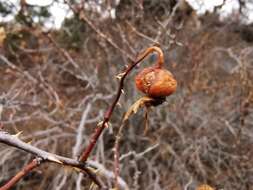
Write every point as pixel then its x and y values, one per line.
pixel 143 101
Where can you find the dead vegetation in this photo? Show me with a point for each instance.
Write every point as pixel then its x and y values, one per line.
pixel 55 87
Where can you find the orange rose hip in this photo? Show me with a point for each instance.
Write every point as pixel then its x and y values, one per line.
pixel 156 82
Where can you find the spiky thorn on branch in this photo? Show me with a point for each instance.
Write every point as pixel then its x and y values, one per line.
pixel 107 116
pixel 156 87
pixel 42 157
pixel 163 84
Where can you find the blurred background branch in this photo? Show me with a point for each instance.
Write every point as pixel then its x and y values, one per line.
pixel 58 66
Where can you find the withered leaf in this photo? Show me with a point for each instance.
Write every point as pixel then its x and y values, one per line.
pixel 137 105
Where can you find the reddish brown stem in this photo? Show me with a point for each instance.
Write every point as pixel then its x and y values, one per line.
pixel 160 60
pixel 33 164
pixel 84 156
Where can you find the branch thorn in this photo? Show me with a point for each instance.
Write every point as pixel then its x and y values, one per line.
pixel 120 75
pixel 51 158
pixel 18 134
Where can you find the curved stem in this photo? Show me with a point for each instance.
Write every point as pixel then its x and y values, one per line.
pixel 160 60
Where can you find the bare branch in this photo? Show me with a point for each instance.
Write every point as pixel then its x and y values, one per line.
pixel 11 140
pixel 44 156
pixel 85 155
pixel 33 164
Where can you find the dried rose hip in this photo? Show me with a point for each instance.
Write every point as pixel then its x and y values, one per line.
pixel 156 82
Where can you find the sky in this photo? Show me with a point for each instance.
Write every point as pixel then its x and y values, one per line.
pixel 59 10
pixel 231 5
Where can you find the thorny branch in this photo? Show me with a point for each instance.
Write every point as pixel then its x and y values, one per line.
pixel 85 155
pixel 198 140
pixel 11 140
pixel 49 157
pixel 43 157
